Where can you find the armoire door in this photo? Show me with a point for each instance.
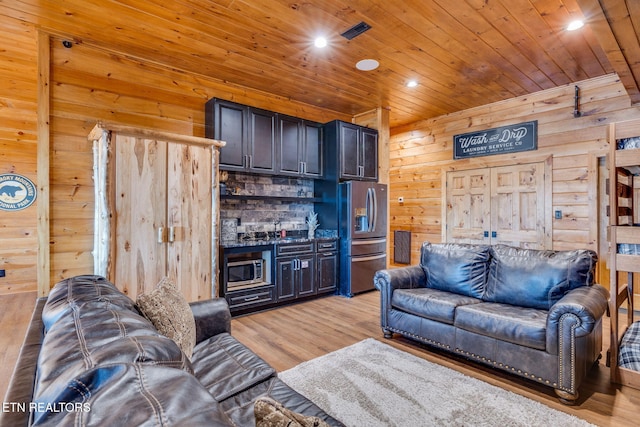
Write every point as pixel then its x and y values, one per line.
pixel 139 261
pixel 162 227
pixel 504 204
pixel 189 220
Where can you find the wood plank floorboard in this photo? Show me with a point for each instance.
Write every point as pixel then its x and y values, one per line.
pixel 290 335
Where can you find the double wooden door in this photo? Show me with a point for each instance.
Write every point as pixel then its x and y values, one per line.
pixel 159 213
pixel 504 204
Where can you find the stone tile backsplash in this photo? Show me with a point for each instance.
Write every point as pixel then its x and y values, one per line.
pixel 260 216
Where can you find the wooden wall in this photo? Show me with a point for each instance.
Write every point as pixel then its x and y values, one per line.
pixel 421 153
pixel 18 148
pixel 88 84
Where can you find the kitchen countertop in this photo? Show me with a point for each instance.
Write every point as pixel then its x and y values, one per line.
pixel 272 241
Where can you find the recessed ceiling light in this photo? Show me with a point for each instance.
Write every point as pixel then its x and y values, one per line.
pixel 367 64
pixel 412 83
pixel 574 25
pixel 320 42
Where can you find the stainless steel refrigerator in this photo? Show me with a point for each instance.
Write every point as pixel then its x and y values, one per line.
pixel 363 234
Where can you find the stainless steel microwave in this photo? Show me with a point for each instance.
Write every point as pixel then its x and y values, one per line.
pixel 245 274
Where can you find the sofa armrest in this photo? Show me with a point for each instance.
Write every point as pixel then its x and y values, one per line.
pixel 400 278
pixel 212 317
pixel 386 281
pixel 578 311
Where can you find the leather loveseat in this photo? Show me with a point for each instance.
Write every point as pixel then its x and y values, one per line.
pixel 534 313
pixel 91 358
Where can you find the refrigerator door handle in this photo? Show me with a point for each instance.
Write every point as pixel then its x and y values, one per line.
pixel 368 241
pixel 374 199
pixel 367 258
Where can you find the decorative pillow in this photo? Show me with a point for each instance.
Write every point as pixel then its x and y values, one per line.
pixel 170 313
pixel 456 267
pixel 269 413
pixel 537 278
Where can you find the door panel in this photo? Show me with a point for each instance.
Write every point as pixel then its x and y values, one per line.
pixel 369 157
pixel 349 155
pixel 233 130
pixel 517 194
pixel 140 210
pixel 498 205
pixel 189 217
pixel 262 140
pixel 289 144
pixel 468 206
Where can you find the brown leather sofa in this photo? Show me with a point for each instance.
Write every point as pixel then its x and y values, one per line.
pixel 533 313
pixel 90 358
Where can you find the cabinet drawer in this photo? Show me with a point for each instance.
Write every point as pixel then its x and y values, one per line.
pixel 324 246
pixel 250 297
pixel 291 249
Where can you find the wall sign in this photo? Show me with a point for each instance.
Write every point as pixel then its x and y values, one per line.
pixel 502 140
pixel 17 192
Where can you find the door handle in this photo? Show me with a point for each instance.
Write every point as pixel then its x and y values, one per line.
pixel 171 235
pixel 161 235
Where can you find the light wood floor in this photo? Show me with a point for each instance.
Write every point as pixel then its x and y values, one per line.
pixel 290 335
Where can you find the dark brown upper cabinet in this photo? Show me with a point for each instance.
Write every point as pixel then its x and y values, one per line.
pixel 261 141
pixel 300 149
pixel 250 134
pixel 356 148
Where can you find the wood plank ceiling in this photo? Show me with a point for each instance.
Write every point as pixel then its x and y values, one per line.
pixel 462 53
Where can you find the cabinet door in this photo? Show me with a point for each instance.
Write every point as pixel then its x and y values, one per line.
pixel 369 154
pixel 286 278
pixel 230 125
pixel 189 220
pixel 289 145
pixel 350 160
pixel 140 210
pixel 313 149
pixel 306 275
pixel 262 141
pixel 327 271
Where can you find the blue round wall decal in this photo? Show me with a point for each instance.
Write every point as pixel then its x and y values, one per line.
pixel 17 192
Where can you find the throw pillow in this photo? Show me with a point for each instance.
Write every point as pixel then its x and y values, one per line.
pixel 170 313
pixel 269 413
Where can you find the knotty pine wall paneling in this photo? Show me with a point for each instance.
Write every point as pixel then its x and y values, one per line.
pixel 421 153
pixel 90 84
pixel 18 150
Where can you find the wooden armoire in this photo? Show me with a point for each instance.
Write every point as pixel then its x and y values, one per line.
pixel 157 210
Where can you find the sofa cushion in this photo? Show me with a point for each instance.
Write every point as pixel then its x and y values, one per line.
pixel 126 394
pixel 170 313
pixel 455 267
pixel 518 325
pixel 536 278
pixel 430 303
pixel 226 367
pixel 80 290
pixel 92 330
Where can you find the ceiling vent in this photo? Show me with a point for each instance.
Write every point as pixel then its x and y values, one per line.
pixel 356 30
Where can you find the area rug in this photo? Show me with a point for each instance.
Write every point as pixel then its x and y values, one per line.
pixel 373 384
